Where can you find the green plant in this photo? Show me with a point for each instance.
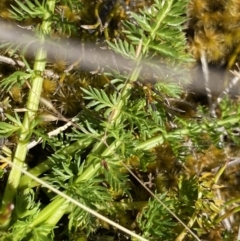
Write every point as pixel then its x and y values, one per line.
pixel 126 125
pixel 25 128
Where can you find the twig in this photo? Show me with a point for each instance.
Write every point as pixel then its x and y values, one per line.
pixel 206 78
pixel 226 222
pixel 10 61
pixel 232 83
pixel 49 105
pixel 7 60
pixel 229 164
pixel 51 133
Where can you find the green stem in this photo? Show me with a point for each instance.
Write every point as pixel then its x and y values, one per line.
pixel 158 140
pixel 56 204
pixel 191 222
pixel 123 97
pixel 60 203
pixel 49 211
pixel 135 73
pixel 46 165
pixel 32 108
pixel 227 214
pixel 100 149
pixel 183 234
pixel 21 150
pixel 46 215
pixel 49 214
pixel 232 201
pixel 146 145
pixel 115 116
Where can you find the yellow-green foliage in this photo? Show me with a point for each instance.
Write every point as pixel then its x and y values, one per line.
pixel 129 119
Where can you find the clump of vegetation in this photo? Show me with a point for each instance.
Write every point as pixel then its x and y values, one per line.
pixel 118 138
pixel 215 26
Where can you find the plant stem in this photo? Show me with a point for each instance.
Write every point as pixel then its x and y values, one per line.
pixel 46 165
pixel 146 145
pixel 99 148
pixel 32 108
pixel 21 150
pixel 159 139
pixel 191 222
pixel 49 210
pixel 126 91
